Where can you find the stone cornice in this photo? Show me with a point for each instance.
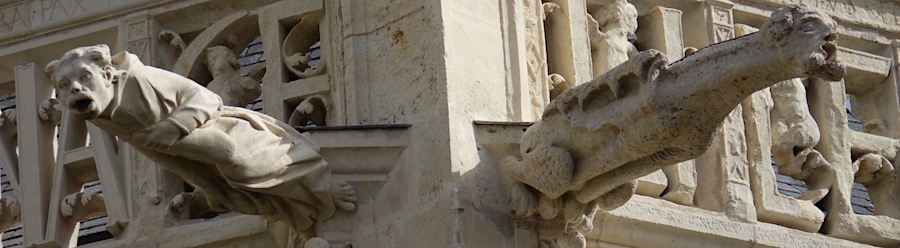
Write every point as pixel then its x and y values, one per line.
pixel 876 14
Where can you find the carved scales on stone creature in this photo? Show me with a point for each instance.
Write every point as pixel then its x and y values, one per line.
pixel 596 139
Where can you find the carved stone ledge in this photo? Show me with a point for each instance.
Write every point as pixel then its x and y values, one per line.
pixel 647 222
pixel 864 70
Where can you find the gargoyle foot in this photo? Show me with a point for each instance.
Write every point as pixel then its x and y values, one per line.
pixel 617 197
pixel 571 240
pixel 585 222
pixel 549 208
pixel 50 110
pixel 522 202
pixel 317 243
pixel 568 239
pixel 343 195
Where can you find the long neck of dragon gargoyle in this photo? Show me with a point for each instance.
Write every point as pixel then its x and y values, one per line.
pixel 724 74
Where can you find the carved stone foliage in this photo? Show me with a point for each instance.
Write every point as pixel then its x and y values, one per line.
pixel 596 139
pixel 296 49
pixel 238 160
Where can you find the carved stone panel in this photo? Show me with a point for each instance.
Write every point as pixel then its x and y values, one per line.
pixel 295 87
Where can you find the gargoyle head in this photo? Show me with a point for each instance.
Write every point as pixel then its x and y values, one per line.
pixel 83 80
pixel 808 37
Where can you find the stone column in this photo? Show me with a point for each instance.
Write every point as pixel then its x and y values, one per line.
pixel 722 172
pixel 568 49
pixel 37 153
pixel 660 29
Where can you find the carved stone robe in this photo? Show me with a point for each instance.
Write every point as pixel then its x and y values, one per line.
pixel 279 173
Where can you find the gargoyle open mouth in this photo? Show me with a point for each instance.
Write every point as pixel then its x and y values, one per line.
pixel 824 63
pixel 830 51
pixel 82 105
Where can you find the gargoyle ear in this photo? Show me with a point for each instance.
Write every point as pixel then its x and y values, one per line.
pixel 779 25
pixel 51 68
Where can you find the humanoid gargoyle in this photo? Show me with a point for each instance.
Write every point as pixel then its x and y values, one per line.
pixel 239 160
pixel 594 140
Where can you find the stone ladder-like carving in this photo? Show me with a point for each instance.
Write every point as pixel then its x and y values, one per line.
pixel 596 139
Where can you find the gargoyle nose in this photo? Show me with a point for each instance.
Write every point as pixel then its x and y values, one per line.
pixel 831 37
pixel 76 87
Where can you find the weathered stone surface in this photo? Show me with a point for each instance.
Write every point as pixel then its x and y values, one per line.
pixel 239 160
pixel 870 13
pixel 595 139
pixel 416 75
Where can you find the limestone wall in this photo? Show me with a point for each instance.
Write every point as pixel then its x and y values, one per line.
pixel 416 103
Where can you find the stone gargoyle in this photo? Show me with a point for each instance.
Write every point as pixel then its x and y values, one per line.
pixel 594 140
pixel 238 160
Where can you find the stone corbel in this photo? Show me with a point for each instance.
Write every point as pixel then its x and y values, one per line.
pixel 82 206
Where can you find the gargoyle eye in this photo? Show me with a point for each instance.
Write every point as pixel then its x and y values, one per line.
pixel 64 84
pixel 86 76
pixel 808 26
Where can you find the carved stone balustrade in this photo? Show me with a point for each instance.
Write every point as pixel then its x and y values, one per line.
pixel 425 107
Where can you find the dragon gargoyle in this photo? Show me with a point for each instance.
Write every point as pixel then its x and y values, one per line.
pixel 594 140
